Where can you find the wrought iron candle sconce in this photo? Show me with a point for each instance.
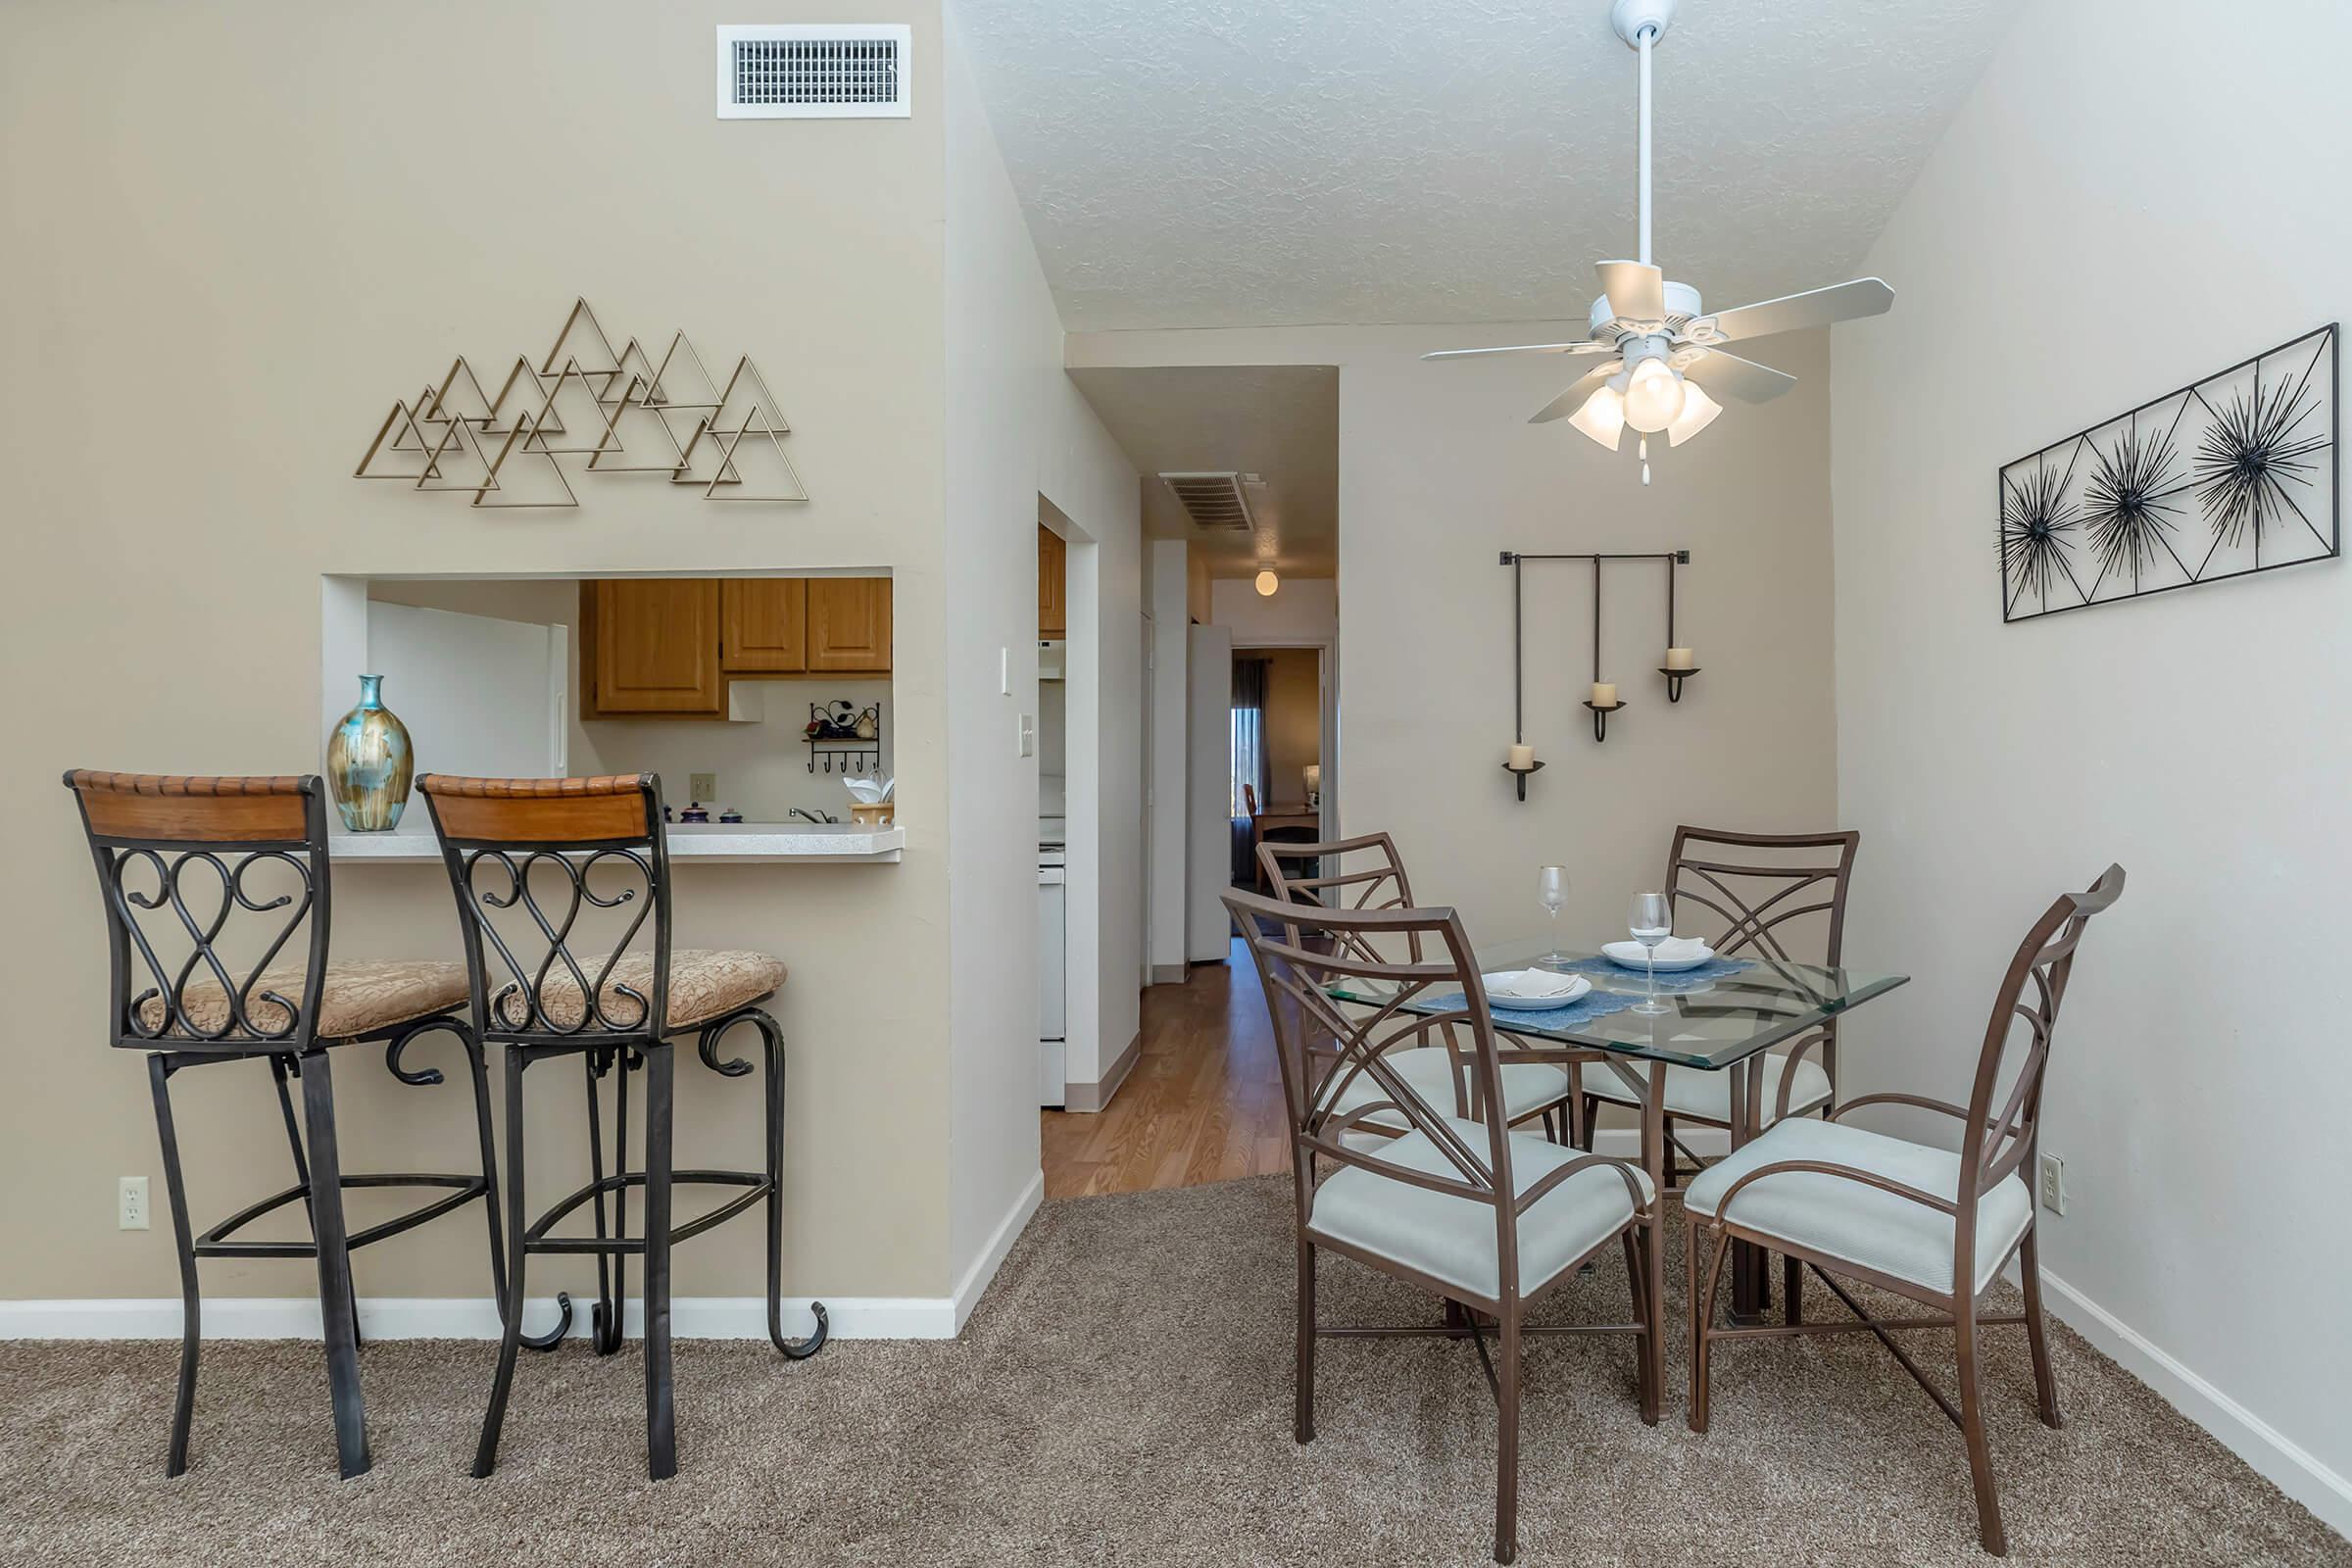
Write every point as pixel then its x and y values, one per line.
pixel 1601 711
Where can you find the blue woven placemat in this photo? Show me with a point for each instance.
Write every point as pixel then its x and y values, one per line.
pixel 1712 969
pixel 1583 1011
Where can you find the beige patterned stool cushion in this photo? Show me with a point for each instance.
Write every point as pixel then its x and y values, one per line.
pixel 704 984
pixel 360 997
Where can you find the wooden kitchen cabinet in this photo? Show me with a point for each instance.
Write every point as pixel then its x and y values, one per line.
pixel 654 647
pixel 764 625
pixel 1053 586
pixel 849 626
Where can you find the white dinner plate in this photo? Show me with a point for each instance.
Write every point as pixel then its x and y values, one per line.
pixel 1632 956
pixel 1499 994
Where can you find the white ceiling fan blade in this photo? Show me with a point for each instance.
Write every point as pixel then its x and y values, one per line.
pixel 1636 291
pixel 1568 402
pixel 1728 375
pixel 1580 346
pixel 1794 312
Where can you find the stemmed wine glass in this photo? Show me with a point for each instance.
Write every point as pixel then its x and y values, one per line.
pixel 1652 923
pixel 1551 887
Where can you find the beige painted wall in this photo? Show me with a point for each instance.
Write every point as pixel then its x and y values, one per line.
pixel 2107 169
pixel 1017 429
pixel 224 265
pixel 1438 472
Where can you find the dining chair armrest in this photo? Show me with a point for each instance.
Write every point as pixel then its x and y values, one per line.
pixel 1553 1178
pixel 1796 1054
pixel 1916 1102
pixel 1942 1205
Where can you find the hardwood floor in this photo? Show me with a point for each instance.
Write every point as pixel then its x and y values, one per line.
pixel 1203 1105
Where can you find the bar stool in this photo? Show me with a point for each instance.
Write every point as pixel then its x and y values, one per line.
pixel 240 865
pixel 541 869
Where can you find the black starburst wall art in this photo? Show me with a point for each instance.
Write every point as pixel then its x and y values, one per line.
pixel 2232 475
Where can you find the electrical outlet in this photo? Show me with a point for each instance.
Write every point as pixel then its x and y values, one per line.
pixel 2053 1184
pixel 703 787
pixel 130 1203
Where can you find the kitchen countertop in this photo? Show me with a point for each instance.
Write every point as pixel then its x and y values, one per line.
pixel 694 843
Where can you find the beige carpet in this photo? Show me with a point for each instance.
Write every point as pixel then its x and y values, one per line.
pixel 1121 1396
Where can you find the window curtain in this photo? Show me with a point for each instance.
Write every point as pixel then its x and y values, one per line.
pixel 1252 766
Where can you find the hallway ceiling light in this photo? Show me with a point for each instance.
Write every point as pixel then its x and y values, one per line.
pixel 1267 582
pixel 1663 352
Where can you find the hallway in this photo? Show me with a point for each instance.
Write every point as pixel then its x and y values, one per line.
pixel 1203 1105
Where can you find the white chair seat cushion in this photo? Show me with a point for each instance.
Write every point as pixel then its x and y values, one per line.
pixel 1452 1239
pixel 1706 1096
pixel 1527 1087
pixel 1863 1225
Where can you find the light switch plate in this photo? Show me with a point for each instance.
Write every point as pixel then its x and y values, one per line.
pixel 1028 734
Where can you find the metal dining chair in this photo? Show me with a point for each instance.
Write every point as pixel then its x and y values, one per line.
pixel 1766 895
pixel 198 876
pixel 557 880
pixel 1324 876
pixel 1935 1227
pixel 1487 1220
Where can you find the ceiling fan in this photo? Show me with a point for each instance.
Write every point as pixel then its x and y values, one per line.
pixel 1664 355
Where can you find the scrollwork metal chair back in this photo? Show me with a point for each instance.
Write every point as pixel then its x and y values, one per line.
pixel 1757 893
pixel 1997 1143
pixel 557 880
pixel 1316 1079
pixel 1377 881
pixel 208 884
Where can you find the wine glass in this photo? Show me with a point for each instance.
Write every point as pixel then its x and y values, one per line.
pixel 1551 887
pixel 1652 923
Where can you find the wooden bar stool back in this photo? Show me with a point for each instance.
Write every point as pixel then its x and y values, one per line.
pixel 564 903
pixel 217 896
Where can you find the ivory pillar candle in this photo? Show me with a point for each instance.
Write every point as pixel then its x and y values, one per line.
pixel 1604 695
pixel 1523 757
pixel 1678 659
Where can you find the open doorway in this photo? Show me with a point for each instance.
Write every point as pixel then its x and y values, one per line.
pixel 1275 753
pixel 1240 506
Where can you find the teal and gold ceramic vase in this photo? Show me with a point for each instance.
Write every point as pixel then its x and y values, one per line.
pixel 367 762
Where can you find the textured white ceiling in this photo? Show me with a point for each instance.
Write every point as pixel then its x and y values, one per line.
pixel 1237 163
pixel 1279 421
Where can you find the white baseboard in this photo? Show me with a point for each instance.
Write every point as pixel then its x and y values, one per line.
pixel 974 1283
pixel 405 1317
pixel 2279 1460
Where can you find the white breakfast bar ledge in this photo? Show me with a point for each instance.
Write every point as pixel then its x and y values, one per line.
pixel 707 844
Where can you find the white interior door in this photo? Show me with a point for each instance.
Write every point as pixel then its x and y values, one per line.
pixel 1208 795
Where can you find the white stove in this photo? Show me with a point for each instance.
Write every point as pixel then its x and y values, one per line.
pixel 1052 959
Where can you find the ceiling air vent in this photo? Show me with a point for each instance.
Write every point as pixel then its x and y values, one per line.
pixel 832 71
pixel 1212 499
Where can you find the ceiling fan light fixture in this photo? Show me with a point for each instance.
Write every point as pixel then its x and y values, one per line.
pixel 1653 396
pixel 1698 412
pixel 1602 417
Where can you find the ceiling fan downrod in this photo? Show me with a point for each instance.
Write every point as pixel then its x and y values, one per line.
pixel 1642 23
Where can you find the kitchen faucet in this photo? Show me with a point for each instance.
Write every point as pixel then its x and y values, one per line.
pixel 806 816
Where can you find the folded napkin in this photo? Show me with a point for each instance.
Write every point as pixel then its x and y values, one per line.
pixel 1536 985
pixel 870 791
pixel 1674 950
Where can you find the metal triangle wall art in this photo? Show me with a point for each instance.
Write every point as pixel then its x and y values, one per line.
pixel 584 409
pixel 2232 475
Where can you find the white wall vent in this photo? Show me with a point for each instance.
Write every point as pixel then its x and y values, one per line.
pixel 833 70
pixel 1212 499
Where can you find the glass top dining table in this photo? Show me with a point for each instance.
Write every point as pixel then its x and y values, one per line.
pixel 1717 1015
